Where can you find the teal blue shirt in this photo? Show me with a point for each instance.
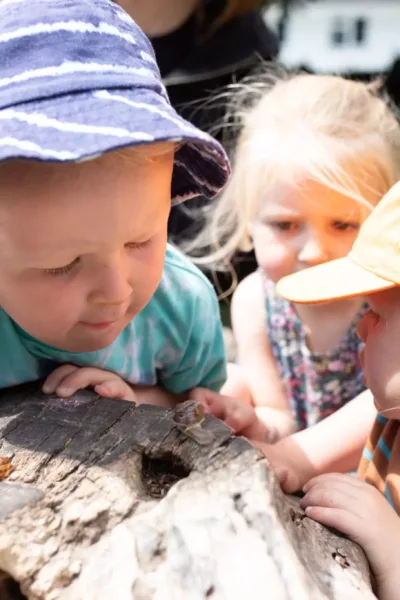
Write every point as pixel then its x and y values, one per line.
pixel 175 341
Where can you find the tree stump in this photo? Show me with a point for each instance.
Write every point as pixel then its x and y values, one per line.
pixel 107 500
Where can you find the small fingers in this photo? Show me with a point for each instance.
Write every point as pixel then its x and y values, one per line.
pixel 324 497
pixel 80 379
pixel 332 479
pixel 335 502
pixel 56 377
pixel 242 418
pixel 238 415
pixel 115 388
pixel 212 402
pixel 340 518
pixel 329 496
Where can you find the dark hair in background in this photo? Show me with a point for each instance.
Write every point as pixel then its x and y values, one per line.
pixel 220 44
pixel 230 10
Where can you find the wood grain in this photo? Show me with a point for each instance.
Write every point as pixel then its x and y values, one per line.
pixel 108 500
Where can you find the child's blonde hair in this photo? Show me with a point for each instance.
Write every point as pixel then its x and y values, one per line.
pixel 296 127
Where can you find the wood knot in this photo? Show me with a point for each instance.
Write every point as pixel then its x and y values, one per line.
pixel 296 516
pixel 341 559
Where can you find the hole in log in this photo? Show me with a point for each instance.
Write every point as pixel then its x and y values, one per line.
pixel 160 474
pixel 9 588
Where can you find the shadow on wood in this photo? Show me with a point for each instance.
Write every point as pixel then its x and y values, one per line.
pixel 108 500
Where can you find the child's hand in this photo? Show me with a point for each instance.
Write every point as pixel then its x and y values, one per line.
pixel 292 469
pixel 235 413
pixel 359 510
pixel 68 379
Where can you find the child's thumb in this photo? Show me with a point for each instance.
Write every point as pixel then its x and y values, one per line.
pixel 282 474
pixel 287 480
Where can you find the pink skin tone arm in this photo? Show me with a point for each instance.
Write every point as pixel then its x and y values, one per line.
pixel 334 444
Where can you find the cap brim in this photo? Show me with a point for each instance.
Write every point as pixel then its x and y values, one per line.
pixel 335 280
pixel 78 126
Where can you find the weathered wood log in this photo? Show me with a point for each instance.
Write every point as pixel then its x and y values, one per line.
pixel 111 501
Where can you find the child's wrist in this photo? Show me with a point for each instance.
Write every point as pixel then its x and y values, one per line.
pixel 279 423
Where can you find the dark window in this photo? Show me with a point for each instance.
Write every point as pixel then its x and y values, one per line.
pixel 337 32
pixel 351 32
pixel 360 30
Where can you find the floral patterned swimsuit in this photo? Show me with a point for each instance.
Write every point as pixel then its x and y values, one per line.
pixel 317 384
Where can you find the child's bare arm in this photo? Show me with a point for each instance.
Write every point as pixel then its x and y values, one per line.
pixel 255 357
pixel 333 445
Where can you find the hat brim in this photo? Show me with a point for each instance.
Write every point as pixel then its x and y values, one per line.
pixel 77 126
pixel 335 280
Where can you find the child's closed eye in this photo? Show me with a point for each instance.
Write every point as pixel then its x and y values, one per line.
pixel 68 268
pixel 63 270
pixel 139 245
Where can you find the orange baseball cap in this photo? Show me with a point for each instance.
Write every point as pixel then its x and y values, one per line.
pixel 372 265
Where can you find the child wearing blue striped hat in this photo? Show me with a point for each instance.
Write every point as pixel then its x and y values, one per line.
pixel 92 155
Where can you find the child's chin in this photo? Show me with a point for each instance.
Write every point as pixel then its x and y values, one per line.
pixel 93 341
pixel 102 341
pixel 387 410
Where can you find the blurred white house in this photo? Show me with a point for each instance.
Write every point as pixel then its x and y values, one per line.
pixel 356 36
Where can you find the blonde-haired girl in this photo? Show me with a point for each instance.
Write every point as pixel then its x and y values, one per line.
pixel 315 155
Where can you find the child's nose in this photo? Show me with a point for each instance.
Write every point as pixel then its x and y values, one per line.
pixel 313 252
pixel 113 287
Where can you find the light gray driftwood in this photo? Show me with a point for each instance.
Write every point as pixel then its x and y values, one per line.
pixel 112 502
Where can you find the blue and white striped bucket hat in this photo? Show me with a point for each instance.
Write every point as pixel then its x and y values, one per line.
pixel 78 78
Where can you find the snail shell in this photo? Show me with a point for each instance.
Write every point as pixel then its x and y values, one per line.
pixel 189 413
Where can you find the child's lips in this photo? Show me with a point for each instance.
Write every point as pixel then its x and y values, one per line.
pixel 98 325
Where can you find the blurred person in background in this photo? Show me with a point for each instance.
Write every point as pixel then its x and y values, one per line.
pixel 201 47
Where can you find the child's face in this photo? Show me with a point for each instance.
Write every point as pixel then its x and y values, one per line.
pixel 380 330
pixel 82 245
pixel 297 229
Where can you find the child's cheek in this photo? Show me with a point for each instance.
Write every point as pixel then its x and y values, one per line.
pixel 276 261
